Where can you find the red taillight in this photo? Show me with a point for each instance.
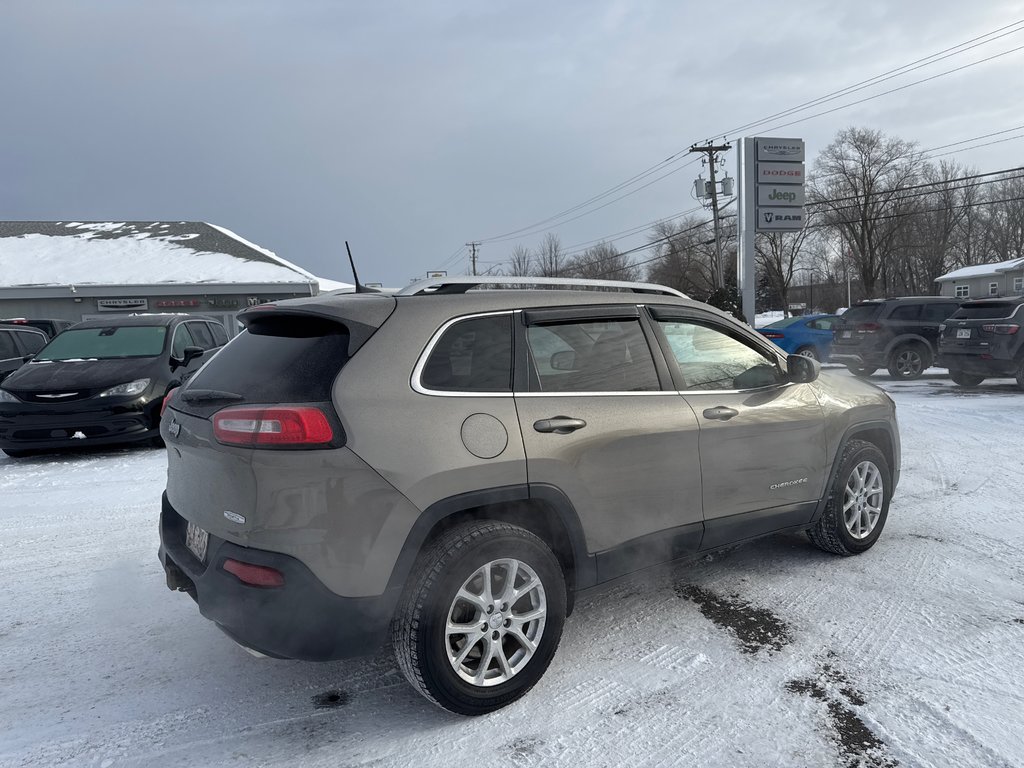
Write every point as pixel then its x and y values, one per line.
pixel 274 427
pixel 254 575
pixel 167 400
pixel 1004 329
pixel 772 335
pixel 869 327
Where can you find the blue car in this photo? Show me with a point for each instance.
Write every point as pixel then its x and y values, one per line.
pixel 810 335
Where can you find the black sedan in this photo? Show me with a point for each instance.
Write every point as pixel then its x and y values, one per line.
pixel 103 381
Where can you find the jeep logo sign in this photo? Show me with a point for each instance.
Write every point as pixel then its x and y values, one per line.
pixel 776 195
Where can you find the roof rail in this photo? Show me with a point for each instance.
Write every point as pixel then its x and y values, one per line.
pixel 463 283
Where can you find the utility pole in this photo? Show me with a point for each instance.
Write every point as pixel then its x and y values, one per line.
pixel 712 151
pixel 472 255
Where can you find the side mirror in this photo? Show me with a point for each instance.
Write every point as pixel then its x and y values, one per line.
pixel 802 370
pixel 187 356
pixel 564 360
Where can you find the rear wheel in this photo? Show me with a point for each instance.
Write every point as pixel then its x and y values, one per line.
pixel 908 361
pixel 860 371
pixel 808 351
pixel 858 503
pixel 965 379
pixel 1020 374
pixel 481 617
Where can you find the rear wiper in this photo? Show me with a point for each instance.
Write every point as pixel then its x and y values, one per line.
pixel 208 395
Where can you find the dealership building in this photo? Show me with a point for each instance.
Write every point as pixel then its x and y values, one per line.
pixel 74 270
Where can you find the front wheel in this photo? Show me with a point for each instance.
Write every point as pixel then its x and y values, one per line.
pixel 481 617
pixel 858 503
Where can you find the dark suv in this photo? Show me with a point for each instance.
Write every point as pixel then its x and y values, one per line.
pixel 102 381
pixel 452 467
pixel 898 334
pixel 983 339
pixel 17 345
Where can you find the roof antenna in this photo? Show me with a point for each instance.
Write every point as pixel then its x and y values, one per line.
pixel 360 288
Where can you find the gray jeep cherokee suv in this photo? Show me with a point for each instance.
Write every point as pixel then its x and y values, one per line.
pixel 448 467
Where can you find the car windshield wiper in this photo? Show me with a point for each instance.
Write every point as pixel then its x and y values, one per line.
pixel 208 395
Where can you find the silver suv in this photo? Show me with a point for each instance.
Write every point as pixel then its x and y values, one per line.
pixel 448 467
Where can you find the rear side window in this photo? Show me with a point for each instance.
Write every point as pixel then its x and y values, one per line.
pixel 201 333
pixel 220 336
pixel 283 360
pixel 861 313
pixel 905 312
pixel 8 350
pixel 33 342
pixel 821 324
pixel 473 355
pixel 995 311
pixel 589 356
pixel 936 313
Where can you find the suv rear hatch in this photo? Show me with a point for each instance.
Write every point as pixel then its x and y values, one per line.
pixel 264 398
pixel 857 324
pixel 984 327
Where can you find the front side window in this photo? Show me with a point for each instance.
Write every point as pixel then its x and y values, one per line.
pixel 182 339
pixel 710 359
pixel 962 291
pixel 33 342
pixel 8 350
pixel 201 333
pixel 473 355
pixel 106 343
pixel 591 356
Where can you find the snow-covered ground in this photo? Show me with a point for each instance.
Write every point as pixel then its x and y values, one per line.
pixel 768 654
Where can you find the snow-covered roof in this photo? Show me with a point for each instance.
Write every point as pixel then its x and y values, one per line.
pixel 981 270
pixel 58 253
pixel 326 284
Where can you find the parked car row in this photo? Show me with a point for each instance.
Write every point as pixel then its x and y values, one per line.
pixel 98 382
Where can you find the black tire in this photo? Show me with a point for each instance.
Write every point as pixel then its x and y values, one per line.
pixel 454 561
pixel 909 361
pixel 834 530
pixel 1020 374
pixel 861 372
pixel 14 454
pixel 965 379
pixel 810 352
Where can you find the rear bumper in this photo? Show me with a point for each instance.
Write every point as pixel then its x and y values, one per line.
pixel 976 364
pixel 300 620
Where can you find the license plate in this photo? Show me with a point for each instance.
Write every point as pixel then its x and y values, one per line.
pixel 963 333
pixel 196 540
pixel 847 334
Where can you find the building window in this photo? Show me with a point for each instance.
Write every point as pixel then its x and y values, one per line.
pixel 963 291
pixel 1018 285
pixel 993 289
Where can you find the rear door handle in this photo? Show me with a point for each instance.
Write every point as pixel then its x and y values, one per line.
pixel 560 425
pixel 720 412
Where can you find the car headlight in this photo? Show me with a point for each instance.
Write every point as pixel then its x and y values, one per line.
pixel 7 397
pixel 136 387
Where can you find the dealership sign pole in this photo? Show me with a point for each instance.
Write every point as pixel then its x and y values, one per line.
pixel 771 199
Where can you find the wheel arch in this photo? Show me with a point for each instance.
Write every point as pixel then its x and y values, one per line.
pixel 541 509
pixel 878 433
pixel 908 338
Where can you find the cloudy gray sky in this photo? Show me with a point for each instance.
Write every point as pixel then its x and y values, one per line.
pixel 409 128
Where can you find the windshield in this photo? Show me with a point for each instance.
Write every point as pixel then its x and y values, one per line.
pixel 105 343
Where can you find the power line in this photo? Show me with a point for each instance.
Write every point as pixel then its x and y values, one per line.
pixel 979 146
pixel 973 138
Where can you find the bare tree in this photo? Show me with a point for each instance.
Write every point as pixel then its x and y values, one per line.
pixel 520 262
pixel 778 255
pixel 683 256
pixel 856 185
pixel 601 262
pixel 549 257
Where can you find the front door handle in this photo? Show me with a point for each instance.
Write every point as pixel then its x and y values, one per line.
pixel 560 425
pixel 720 412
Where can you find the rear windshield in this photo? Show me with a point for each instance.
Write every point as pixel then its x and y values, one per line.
pixel 280 360
pixel 986 311
pixel 861 313
pixel 106 343
pixel 783 323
